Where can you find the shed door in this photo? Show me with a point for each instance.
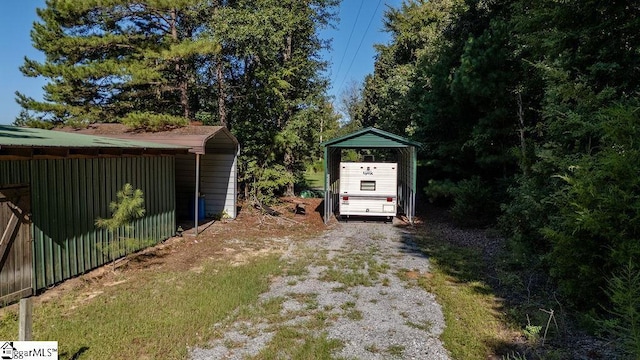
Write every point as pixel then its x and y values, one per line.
pixel 16 269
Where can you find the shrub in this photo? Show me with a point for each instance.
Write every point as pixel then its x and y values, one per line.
pixel 474 203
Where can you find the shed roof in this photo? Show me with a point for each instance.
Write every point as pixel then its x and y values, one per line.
pixel 370 138
pixel 194 137
pixel 29 142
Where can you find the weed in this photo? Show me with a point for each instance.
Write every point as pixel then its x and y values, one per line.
pixel 514 356
pixel 373 348
pixel 355 315
pixel 426 326
pixel 348 305
pixel 395 350
pixel 289 343
pixel 298 268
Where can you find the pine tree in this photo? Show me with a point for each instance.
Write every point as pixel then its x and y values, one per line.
pixel 117 61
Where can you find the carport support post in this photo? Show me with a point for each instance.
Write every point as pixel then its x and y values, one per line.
pixel 197 192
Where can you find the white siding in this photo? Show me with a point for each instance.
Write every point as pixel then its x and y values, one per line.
pixel 218 183
pixel 368 188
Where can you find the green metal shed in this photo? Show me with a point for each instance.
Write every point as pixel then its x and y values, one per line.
pixel 54 185
pixel 371 138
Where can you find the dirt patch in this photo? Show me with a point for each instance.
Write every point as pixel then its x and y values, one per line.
pixel 234 240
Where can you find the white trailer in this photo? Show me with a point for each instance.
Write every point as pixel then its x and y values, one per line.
pixel 368 189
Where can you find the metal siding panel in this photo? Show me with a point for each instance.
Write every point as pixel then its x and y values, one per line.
pixel 167 199
pixel 171 174
pixel 38 253
pixel 149 190
pixel 72 256
pixel 80 179
pixel 71 193
pixel 61 240
pixel 47 220
pixel 15 172
pixel 111 181
pixel 97 191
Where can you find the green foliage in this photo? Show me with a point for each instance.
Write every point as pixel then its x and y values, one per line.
pixel 474 203
pixel 623 290
pixel 528 114
pixel 107 59
pixel 267 183
pixel 252 66
pixel 152 122
pixel 129 206
pixel 439 190
pixel 598 222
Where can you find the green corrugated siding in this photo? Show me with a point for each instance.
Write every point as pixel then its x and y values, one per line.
pixel 69 194
pixel 14 172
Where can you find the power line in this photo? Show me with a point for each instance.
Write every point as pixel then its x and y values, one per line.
pixel 349 40
pixel 359 45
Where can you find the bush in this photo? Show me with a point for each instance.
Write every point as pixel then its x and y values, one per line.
pixel 597 223
pixel 474 203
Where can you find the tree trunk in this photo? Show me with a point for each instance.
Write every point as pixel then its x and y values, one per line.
pixel 222 95
pixel 180 68
pixel 521 133
pixel 288 163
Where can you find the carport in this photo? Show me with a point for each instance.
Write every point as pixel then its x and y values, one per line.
pixel 371 138
pixel 206 178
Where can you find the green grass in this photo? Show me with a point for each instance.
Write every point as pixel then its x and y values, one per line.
pixel 291 343
pixel 315 180
pixel 355 270
pixel 154 318
pixel 475 326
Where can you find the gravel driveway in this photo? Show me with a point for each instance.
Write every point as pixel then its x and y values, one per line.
pixel 360 278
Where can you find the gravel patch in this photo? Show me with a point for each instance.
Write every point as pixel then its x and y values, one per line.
pixel 361 279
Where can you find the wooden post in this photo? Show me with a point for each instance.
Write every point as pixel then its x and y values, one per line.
pixel 26 319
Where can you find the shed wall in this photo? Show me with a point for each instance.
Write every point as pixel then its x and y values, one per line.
pixel 68 195
pixel 218 183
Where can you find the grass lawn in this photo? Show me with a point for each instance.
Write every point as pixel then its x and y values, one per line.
pixel 476 327
pixel 315 180
pixel 156 317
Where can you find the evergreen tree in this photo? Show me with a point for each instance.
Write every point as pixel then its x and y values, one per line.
pixel 117 61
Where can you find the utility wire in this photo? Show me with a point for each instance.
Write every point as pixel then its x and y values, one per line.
pixel 359 45
pixel 349 40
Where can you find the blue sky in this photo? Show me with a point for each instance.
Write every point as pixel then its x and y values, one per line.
pixel 351 57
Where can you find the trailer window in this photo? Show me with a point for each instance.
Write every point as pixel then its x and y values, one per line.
pixel 367 185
